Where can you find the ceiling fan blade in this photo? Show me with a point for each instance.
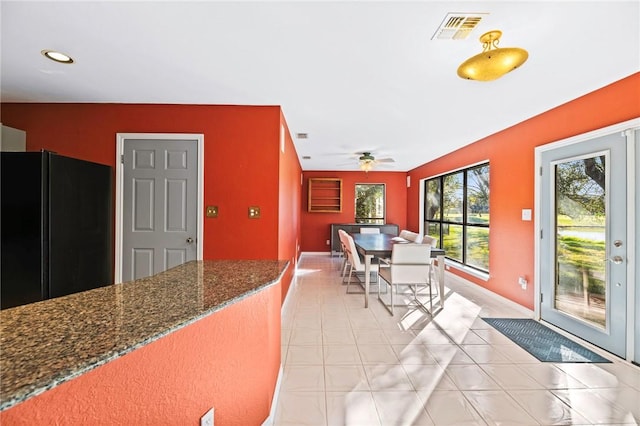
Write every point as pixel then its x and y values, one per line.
pixel 385 160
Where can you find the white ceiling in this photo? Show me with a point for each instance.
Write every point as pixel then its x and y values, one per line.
pixel 354 75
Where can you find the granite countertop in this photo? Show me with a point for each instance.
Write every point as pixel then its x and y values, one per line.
pixel 47 343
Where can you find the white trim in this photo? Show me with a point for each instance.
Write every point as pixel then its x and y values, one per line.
pixel 619 127
pixel 466 269
pixel 120 139
pixel 632 313
pixel 269 421
pixel 421 184
pixel 485 291
pixel 315 253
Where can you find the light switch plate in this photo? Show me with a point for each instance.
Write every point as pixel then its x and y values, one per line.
pixel 526 214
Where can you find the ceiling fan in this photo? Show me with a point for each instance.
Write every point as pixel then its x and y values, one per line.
pixel 368 161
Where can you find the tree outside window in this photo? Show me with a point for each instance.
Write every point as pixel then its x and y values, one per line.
pixel 370 203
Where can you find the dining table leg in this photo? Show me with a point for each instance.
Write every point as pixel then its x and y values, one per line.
pixel 441 279
pixel 367 278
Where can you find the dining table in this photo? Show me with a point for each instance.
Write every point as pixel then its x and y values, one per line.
pixel 381 246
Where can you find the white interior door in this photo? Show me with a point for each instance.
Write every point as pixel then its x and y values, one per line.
pixel 159 205
pixel 583 250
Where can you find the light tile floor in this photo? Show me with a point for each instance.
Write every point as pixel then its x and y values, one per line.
pixel 347 365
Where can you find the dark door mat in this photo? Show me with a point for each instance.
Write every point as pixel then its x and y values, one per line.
pixel 542 342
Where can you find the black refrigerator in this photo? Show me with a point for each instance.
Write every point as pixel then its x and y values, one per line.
pixel 55 226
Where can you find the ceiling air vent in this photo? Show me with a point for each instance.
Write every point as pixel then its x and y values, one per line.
pixel 457 26
pixel 302 135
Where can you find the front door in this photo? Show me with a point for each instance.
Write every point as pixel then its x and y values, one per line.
pixel 159 205
pixel 583 221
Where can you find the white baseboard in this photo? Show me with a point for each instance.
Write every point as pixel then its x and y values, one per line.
pixel 274 402
pixel 525 311
pixel 315 253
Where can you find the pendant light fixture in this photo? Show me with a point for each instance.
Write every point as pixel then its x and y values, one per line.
pixel 494 61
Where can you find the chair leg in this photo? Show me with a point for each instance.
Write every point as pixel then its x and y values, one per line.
pixel 345 263
pixel 430 292
pixel 391 291
pixel 349 280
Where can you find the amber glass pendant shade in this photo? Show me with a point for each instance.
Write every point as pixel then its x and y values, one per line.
pixel 493 62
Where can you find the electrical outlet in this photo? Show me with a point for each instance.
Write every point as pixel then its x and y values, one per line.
pixel 328 242
pixel 523 282
pixel 207 419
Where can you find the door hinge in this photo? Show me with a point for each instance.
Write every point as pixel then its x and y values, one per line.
pixel 540 170
pixel 541 297
pixel 541 237
pixel 122 158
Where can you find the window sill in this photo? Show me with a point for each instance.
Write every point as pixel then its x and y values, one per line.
pixel 473 272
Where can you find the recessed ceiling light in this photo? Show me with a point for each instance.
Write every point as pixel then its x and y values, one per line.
pixel 57 56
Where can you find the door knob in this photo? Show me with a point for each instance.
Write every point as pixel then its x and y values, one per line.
pixel 617 259
pixel 189 240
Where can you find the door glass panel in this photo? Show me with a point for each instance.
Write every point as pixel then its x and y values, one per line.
pixel 580 222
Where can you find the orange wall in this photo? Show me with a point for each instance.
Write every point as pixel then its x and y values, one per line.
pixel 511 156
pixel 231 364
pixel 289 211
pixel 316 226
pixel 241 160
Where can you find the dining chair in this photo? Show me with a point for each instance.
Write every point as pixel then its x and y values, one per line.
pixel 433 242
pixel 369 230
pixel 411 236
pixel 356 265
pixel 409 266
pixel 343 250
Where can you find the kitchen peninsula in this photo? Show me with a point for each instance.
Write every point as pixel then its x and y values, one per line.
pixel 158 350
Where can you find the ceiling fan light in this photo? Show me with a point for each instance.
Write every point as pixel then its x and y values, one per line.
pixel 493 62
pixel 366 165
pixel 367 161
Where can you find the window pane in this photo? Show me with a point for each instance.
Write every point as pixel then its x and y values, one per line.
pixel 432 200
pixel 452 199
pixel 456 211
pixel 370 203
pixel 433 230
pixel 478 195
pixel 478 247
pixel 452 241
